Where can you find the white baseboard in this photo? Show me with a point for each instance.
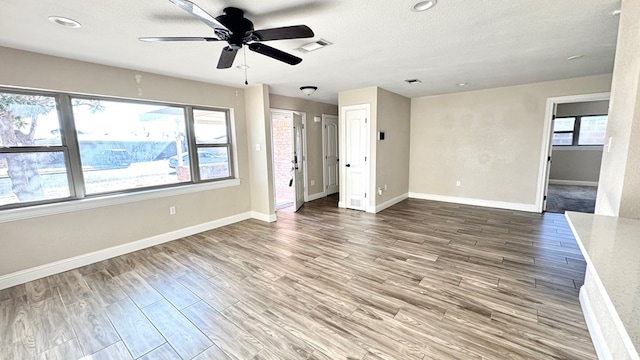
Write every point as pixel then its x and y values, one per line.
pixel 597 337
pixel 573 182
pixel 37 272
pixel 263 217
pixel 317 196
pixel 476 202
pixel 390 202
pixel 342 204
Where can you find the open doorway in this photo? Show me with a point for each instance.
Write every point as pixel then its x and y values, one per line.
pixel 281 129
pixel 289 168
pixel 576 142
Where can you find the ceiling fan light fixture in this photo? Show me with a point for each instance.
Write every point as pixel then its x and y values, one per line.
pixel 423 5
pixel 308 90
pixel 66 22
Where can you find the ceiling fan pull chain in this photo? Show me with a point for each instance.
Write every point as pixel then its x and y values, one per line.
pixel 244 50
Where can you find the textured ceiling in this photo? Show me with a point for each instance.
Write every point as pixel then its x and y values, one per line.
pixel 485 43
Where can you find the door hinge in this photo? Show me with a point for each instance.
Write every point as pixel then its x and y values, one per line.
pixel 549 158
pixel 545 197
pixel 365 158
pixel 365 195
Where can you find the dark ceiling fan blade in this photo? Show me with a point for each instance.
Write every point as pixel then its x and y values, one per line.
pixel 177 38
pixel 197 11
pixel 285 32
pixel 227 57
pixel 274 53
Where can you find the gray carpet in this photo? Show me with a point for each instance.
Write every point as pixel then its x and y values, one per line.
pixel 561 198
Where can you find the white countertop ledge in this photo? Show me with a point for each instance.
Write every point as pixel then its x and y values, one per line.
pixel 611 246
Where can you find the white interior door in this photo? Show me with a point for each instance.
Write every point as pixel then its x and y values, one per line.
pixel 549 159
pixel 355 162
pixel 330 148
pixel 297 162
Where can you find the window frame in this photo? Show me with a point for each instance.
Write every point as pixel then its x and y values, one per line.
pixel 71 149
pixel 575 133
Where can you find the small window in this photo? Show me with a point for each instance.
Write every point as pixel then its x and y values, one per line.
pixel 580 130
pixel 34 163
pixel 211 130
pixel 592 130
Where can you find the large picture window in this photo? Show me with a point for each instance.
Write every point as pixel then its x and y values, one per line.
pixel 56 147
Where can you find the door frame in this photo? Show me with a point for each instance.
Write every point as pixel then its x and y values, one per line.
pixel 543 171
pixel 342 149
pixel 325 174
pixel 304 147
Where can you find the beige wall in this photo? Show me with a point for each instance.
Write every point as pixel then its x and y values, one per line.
pixel 314 134
pixel 490 140
pixel 392 154
pixel 619 190
pixel 259 148
pixel 28 243
pixel 574 164
pixel 583 108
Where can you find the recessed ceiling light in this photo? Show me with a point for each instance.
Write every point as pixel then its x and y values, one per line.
pixel 64 21
pixel 243 67
pixel 424 5
pixel 413 81
pixel 575 57
pixel 462 84
pixel 616 12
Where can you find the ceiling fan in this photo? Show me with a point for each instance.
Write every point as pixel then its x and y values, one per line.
pixel 237 31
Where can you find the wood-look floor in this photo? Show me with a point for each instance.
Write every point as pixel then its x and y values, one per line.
pixel 420 280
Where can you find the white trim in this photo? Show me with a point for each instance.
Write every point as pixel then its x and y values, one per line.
pixel 545 146
pixel 476 202
pixel 37 272
pixel 110 200
pixel 263 217
pixel 597 336
pixel 317 196
pixel 305 167
pixel 573 182
pixel 391 202
pixel 341 204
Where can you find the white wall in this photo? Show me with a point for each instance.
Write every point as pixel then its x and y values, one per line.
pixel 489 140
pixel 619 190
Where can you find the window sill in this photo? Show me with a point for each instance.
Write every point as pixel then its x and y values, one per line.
pixel 579 147
pixel 109 200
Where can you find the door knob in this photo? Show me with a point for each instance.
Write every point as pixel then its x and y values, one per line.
pixel 348 165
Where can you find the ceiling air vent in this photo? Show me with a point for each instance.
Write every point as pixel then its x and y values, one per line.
pixel 313 46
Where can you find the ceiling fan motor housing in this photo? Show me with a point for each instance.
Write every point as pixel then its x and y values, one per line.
pixel 238 25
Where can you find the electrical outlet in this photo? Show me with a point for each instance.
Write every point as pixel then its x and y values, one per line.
pixel 313 182
pixel 172 210
pixel 380 191
pixel 458 183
